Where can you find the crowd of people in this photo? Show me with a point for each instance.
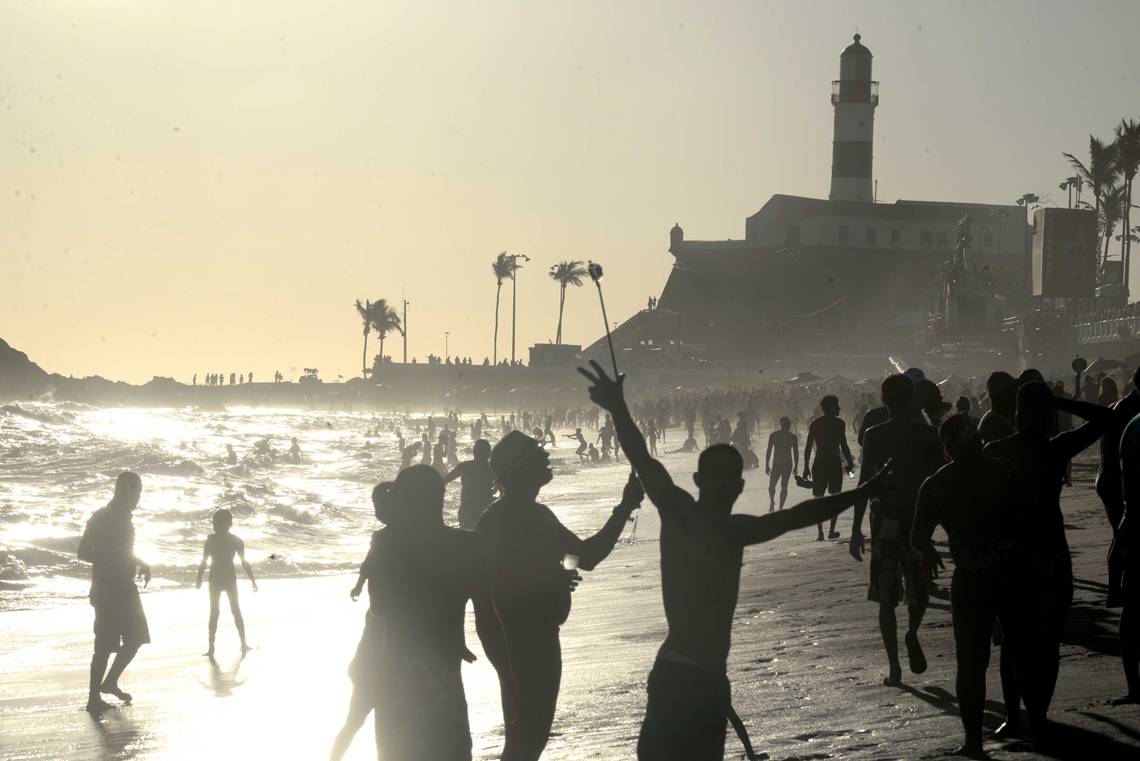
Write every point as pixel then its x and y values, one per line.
pixel 988 468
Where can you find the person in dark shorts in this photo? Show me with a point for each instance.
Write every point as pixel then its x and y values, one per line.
pixel 702 547
pixel 1039 460
pixel 1129 537
pixel 528 546
pixel 1109 481
pixel 477 484
pixel 780 461
pixel 828 435
pixel 975 500
pixel 220 549
pixel 913 449
pixel 108 544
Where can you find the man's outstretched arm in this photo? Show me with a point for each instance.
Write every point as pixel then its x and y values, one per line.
pixel 597 548
pixel 608 394
pixel 751 529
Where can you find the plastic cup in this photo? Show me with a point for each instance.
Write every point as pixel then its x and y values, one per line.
pixel 570 562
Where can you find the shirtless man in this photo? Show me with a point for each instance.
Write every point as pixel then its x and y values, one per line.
pixel 915 452
pixel 975 500
pixel 527 544
pixel 108 544
pixel 477 484
pixel 702 547
pixel 1039 460
pixel 828 434
pixel 786 447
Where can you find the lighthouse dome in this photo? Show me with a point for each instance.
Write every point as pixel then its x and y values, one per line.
pixel 856 48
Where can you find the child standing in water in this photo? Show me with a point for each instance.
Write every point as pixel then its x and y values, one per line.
pixel 220 548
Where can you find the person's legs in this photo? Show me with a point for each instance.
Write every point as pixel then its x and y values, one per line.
pixel 917 599
pixel 98 667
pixel 973 619
pixel 123 659
pixel 239 622
pixel 786 476
pixel 888 628
pixel 538 676
pixel 834 488
pixel 215 600
pixel 686 718
pixel 773 477
pixel 1130 649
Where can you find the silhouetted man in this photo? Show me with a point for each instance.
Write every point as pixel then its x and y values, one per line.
pixel 702 547
pixel 915 452
pixel 1039 461
pixel 828 434
pixel 477 484
pixel 975 500
pixel 784 445
pixel 527 546
pixel 1129 537
pixel 108 544
pixel 997 423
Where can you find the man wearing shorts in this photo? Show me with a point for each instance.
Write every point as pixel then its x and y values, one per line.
pixel 828 434
pixel 781 460
pixel 108 544
pixel 915 452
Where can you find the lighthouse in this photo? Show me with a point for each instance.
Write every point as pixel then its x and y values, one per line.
pixel 854 96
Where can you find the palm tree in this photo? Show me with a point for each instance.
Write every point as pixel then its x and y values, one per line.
pixel 566 273
pixel 1109 213
pixel 1127 163
pixel 503 268
pixel 365 312
pixel 384 321
pixel 1100 174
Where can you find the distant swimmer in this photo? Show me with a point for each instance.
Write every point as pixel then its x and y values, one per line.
pixel 220 549
pixel 828 435
pixel 690 444
pixel 294 453
pixel 231 455
pixel 108 544
pixel 781 461
pixel 408 453
pixel 477 484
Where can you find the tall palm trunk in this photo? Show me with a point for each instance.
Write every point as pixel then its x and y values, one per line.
pixel 1128 231
pixel 561 304
pixel 364 358
pixel 381 348
pixel 495 350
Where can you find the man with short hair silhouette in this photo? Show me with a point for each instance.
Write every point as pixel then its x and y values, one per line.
pixel 108 544
pixel 527 545
pixel 975 499
pixel 915 452
pixel 477 484
pixel 828 434
pixel 1039 461
pixel 702 547
pixel 779 468
pixel 1128 534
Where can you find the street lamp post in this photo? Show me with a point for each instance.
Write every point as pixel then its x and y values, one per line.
pixel 405 331
pixel 1027 201
pixel 446 348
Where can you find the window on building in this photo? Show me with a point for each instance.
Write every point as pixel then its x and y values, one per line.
pixel 844 233
pixel 926 238
pixel 942 238
pixel 872 236
pixel 896 235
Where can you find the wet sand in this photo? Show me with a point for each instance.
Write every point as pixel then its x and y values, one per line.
pixel 806 665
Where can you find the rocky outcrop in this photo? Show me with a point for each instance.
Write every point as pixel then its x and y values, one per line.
pixel 19 376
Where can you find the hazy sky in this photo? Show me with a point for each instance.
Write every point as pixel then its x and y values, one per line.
pixel 195 187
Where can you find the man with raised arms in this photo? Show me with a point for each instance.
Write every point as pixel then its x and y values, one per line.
pixel 702 546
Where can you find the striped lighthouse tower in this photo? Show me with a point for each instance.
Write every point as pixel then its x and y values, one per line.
pixel 854 96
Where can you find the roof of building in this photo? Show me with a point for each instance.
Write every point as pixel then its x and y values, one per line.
pixel 856 48
pixel 903 210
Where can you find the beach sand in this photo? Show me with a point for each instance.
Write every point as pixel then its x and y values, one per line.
pixel 806 665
